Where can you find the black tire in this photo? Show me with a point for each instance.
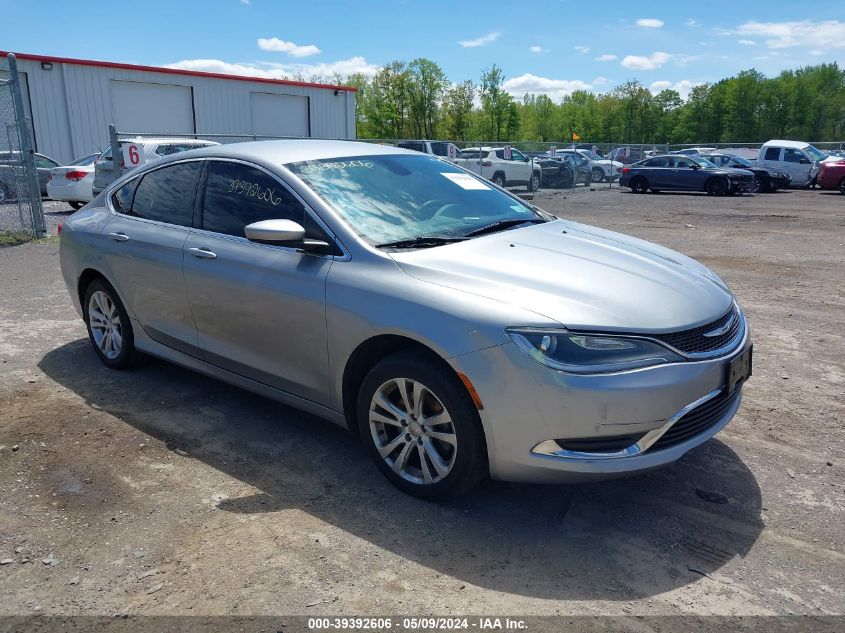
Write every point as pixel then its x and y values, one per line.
pixel 757 185
pixel 76 205
pixel 5 196
pixel 470 458
pixel 534 184
pixel 597 174
pixel 128 355
pixel 639 185
pixel 588 180
pixel 842 186
pixel 716 187
pixel 766 185
pixel 499 179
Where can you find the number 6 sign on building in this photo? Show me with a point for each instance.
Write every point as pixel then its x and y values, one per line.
pixel 131 155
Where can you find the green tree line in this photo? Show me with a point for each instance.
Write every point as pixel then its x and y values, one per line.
pixel 416 100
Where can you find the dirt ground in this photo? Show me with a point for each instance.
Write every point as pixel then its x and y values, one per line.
pixel 158 491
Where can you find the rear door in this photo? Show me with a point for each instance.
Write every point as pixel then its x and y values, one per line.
pixel 142 244
pixel 260 309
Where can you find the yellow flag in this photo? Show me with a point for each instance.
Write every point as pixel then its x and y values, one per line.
pixel 575 137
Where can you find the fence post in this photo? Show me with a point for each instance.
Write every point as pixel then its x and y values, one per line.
pixel 39 226
pixel 116 155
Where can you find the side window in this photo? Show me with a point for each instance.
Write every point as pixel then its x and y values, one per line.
pixel 440 149
pixel 121 199
pixel 772 153
pixel 237 195
pixel 167 194
pixel 500 154
pixel 517 156
pixel 45 163
pixel 792 155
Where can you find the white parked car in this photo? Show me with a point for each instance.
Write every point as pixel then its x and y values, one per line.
pixel 139 151
pixel 797 158
pixel 72 183
pixel 601 169
pixel 490 163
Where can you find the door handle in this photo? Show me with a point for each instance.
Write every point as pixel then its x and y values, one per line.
pixel 119 237
pixel 202 253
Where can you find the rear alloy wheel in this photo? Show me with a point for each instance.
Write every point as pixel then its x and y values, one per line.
pixel 756 185
pixel 639 185
pixel 716 187
pixel 499 180
pixel 598 174
pixel 421 428
pixel 108 325
pixel 534 185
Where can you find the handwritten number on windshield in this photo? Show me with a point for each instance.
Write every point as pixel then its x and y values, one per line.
pixel 254 190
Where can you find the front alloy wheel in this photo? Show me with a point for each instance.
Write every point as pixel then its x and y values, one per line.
pixel 755 186
pixel 421 426
pixel 412 431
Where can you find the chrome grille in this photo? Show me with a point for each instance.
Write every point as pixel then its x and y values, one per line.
pixel 694 341
pixel 696 421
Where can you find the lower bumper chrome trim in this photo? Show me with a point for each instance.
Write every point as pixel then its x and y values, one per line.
pixel 551 448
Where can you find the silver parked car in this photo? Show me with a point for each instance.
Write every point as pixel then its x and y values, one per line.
pixel 459 330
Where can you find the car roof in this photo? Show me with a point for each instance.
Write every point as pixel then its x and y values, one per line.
pixel 785 143
pixel 291 151
pixel 152 140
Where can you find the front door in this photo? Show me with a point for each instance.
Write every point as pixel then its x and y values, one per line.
pixel 142 244
pixel 259 309
pixel 797 164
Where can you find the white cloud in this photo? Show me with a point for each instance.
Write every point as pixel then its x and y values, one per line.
pixel 683 86
pixel 601 81
pixel 649 23
pixel 582 49
pixel 606 58
pixel 480 41
pixel 640 62
pixel 246 1
pixel 538 49
pixel 556 89
pixel 747 42
pixel 281 46
pixel 819 35
pixel 265 70
pixel 692 23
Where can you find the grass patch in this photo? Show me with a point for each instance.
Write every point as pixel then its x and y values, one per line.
pixel 14 238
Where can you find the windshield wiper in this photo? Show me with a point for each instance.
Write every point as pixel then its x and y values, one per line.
pixel 501 225
pixel 422 241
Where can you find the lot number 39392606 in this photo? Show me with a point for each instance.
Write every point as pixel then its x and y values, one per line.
pixel 131 155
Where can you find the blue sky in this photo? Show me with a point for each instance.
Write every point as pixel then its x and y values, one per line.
pixel 549 46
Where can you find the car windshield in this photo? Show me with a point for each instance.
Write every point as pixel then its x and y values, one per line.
pixel 702 162
pixel 742 161
pixel 390 198
pixel 815 153
pixel 85 160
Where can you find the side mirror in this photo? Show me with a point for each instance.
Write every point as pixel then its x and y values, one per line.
pixel 525 159
pixel 804 161
pixel 695 166
pixel 283 233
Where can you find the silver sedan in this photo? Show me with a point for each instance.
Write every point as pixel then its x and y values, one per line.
pixel 460 331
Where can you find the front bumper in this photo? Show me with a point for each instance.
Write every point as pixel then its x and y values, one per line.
pixel 527 405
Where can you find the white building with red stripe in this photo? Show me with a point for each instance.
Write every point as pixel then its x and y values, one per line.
pixel 71 102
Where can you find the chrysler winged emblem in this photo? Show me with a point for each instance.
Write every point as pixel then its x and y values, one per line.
pixel 721 330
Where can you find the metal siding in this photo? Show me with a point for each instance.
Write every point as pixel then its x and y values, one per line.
pixel 71 105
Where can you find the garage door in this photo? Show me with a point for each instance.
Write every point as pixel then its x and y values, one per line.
pixel 152 108
pixel 279 115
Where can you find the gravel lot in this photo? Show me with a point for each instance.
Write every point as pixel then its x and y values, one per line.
pixel 159 491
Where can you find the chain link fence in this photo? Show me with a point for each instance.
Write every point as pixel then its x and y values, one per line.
pixel 21 213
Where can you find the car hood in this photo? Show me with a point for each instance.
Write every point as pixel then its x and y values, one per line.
pixel 580 276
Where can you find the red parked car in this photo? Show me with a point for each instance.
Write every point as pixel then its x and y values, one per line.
pixel 832 175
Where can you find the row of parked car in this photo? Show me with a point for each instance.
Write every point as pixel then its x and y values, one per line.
pixel 80 181
pixel 509 167
pixel 778 164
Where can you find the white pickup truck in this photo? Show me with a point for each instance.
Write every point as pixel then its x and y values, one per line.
pixel 490 163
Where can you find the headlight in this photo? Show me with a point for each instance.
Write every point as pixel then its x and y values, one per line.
pixel 589 353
